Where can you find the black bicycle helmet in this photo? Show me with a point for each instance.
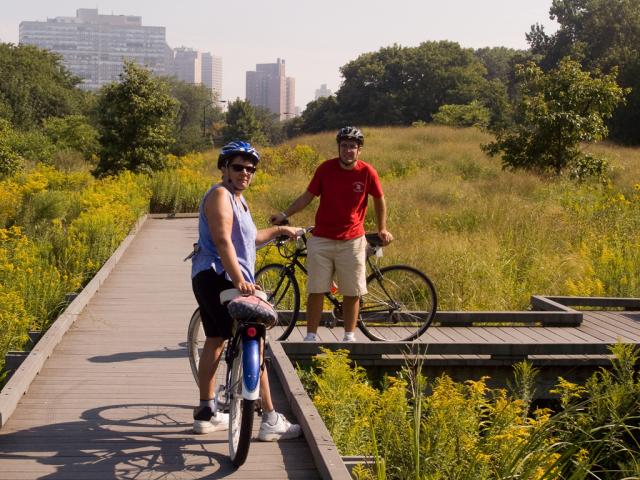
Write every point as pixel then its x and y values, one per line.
pixel 235 148
pixel 350 133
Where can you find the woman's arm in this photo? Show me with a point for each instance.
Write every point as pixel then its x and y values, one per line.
pixel 266 234
pixel 219 213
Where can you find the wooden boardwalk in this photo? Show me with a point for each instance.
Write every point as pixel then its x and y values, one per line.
pixel 115 398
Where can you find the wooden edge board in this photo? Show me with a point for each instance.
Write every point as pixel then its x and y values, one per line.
pixel 22 378
pixel 324 451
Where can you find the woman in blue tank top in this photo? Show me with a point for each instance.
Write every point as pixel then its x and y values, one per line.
pixel 225 258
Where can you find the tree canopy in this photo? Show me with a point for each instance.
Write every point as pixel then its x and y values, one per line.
pixel 557 111
pixel 601 35
pixel 136 120
pixel 34 85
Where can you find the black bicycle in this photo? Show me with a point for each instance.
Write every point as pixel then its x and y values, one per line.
pixel 398 296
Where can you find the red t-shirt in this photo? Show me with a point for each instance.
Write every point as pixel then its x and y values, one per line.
pixel 343 198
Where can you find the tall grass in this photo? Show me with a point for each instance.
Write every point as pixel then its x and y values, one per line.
pixel 419 428
pixel 488 238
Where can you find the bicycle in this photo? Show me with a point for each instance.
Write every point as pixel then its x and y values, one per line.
pixel 243 357
pixel 398 295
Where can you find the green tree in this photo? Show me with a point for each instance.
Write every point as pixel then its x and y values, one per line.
pixel 322 114
pixel 270 124
pixel 35 85
pixel 243 124
pixel 10 161
pixel 556 112
pixel 197 113
pixel 136 120
pixel 601 35
pixel 470 115
pixel 73 132
pixel 400 85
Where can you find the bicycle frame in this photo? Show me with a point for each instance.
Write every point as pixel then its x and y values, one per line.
pixel 295 263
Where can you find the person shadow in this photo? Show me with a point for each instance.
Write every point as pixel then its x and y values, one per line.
pixel 131 441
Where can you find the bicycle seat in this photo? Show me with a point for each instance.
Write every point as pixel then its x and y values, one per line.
pixel 231 293
pixel 249 308
pixel 373 239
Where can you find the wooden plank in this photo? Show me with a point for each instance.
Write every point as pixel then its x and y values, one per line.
pixel 324 451
pixel 612 302
pixel 19 383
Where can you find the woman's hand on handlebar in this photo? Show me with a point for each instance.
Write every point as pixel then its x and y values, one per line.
pixel 291 232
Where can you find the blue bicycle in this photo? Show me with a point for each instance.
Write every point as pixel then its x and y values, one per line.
pixel 243 356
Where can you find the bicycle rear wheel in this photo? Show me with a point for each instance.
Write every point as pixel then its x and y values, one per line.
pixel 195 344
pixel 283 293
pixel 401 297
pixel 241 414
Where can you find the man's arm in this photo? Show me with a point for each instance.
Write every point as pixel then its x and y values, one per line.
pixel 380 207
pixel 298 204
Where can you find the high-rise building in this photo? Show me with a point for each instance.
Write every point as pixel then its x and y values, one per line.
pixel 187 65
pixel 290 98
pixel 94 46
pixel 323 91
pixel 198 68
pixel 268 87
pixel 212 73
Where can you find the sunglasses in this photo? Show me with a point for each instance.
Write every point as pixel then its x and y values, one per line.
pixel 243 168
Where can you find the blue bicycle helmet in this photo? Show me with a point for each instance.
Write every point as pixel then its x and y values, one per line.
pixel 235 148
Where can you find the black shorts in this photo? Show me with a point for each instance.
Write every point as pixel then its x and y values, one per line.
pixel 216 320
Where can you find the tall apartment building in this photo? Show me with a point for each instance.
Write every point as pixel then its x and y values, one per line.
pixel 269 87
pixel 94 46
pixel 323 91
pixel 187 65
pixel 198 68
pixel 212 73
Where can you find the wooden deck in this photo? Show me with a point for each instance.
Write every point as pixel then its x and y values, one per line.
pixel 115 398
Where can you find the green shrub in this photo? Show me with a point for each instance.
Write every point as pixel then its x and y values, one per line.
pixel 470 115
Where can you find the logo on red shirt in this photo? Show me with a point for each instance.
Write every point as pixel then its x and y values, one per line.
pixel 358 187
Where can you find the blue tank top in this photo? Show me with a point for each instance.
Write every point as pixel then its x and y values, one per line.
pixel 243 238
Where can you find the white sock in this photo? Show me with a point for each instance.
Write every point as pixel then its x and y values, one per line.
pixel 349 336
pixel 311 336
pixel 270 417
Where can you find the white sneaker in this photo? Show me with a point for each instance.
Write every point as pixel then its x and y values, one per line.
pixel 215 423
pixel 349 338
pixel 310 338
pixel 282 430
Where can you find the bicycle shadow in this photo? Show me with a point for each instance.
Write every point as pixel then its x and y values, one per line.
pixel 141 441
pixel 165 353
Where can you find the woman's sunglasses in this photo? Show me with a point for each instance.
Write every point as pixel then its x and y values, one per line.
pixel 243 168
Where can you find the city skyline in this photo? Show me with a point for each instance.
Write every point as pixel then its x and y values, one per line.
pixel 315 39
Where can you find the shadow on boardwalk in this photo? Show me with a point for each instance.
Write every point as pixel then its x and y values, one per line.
pixel 128 441
pixel 166 352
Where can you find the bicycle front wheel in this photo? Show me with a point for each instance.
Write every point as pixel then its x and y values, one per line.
pixel 399 306
pixel 241 414
pixel 283 293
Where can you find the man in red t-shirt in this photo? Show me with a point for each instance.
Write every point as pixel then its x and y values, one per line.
pixel 338 244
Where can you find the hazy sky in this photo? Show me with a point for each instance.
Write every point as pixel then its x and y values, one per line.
pixel 315 38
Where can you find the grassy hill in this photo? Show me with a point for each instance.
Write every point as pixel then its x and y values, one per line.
pixel 488 238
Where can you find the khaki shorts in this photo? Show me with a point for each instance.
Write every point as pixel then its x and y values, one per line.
pixel 345 258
